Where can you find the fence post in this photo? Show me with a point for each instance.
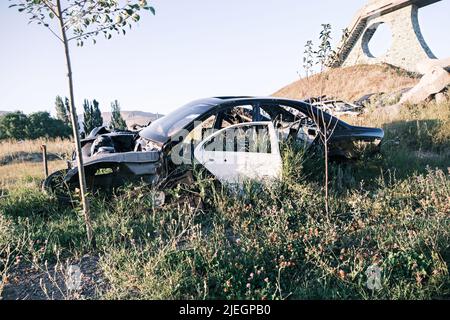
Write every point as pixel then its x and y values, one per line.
pixel 44 159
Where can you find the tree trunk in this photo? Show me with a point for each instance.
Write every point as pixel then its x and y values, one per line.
pixel 326 179
pixel 76 133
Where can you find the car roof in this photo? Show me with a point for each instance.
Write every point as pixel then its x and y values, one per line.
pixel 220 100
pixel 208 104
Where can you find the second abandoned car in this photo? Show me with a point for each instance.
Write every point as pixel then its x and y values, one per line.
pixel 234 138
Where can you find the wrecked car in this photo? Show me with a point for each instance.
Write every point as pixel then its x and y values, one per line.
pixel 234 138
pixel 339 107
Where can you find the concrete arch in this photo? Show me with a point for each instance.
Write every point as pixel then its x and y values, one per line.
pixel 408 46
pixel 367 38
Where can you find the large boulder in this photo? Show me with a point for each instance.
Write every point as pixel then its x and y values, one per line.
pixel 435 80
pixel 425 66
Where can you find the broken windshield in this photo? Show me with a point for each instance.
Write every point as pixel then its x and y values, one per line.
pixel 163 128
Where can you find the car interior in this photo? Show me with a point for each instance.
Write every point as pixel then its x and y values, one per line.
pixel 288 122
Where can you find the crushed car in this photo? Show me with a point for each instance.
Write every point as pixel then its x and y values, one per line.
pixel 233 138
pixel 339 108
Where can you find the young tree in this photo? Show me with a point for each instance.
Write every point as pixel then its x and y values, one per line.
pixel 324 52
pixel 117 122
pixel 80 20
pixel 326 129
pixel 61 110
pixel 67 105
pixel 308 58
pixel 92 117
pixel 88 122
pixel 87 117
pixel 97 118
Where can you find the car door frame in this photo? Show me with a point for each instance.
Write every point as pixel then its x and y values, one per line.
pixel 274 156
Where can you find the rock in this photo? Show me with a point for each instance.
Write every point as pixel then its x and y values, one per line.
pixel 440 97
pixel 427 65
pixel 434 81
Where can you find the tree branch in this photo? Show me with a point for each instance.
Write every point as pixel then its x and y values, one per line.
pixel 51 7
pixel 98 30
pixel 76 3
pixel 50 29
pixel 36 16
pixel 91 11
pixel 67 24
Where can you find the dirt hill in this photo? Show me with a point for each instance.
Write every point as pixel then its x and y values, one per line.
pixel 351 83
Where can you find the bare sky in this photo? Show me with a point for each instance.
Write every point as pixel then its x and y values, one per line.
pixel 189 50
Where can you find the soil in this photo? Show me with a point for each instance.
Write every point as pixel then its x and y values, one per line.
pixel 26 282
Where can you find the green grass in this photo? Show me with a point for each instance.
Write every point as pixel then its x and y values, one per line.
pixel 274 242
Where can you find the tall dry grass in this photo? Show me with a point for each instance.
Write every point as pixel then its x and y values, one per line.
pixel 21 164
pixel 350 83
pixel 378 117
pixel 55 146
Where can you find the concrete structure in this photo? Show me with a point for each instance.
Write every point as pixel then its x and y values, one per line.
pixel 408 46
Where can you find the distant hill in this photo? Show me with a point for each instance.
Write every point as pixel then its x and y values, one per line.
pixel 132 117
pixel 351 83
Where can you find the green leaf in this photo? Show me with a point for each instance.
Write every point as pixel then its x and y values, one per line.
pixel 51 15
pixel 151 9
pixel 119 19
pixel 136 17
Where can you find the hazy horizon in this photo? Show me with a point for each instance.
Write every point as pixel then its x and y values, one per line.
pixel 186 52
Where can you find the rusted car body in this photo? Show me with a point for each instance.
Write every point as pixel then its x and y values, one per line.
pixel 197 133
pixel 339 108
